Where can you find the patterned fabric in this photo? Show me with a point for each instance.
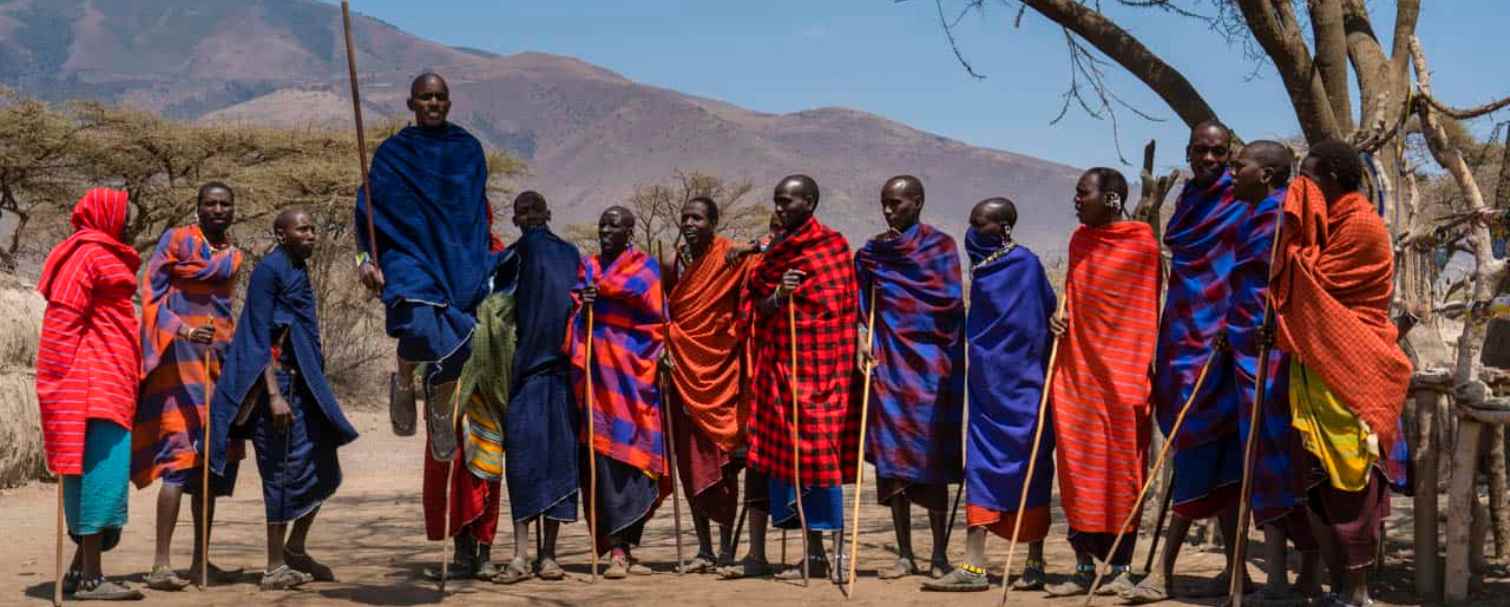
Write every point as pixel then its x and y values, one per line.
pixel 827 310
pixel 486 380
pixel 1277 486
pixel 88 356
pixel 1202 238
pixel 919 344
pixel 1331 432
pixel 706 345
pixel 1333 277
pixel 1011 301
pixel 475 498
pixel 188 283
pixel 628 336
pixel 1101 385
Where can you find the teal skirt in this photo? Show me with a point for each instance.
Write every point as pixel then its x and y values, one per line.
pixel 95 502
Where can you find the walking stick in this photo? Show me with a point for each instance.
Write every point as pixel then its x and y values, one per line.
pixel 870 365
pixel 1250 450
pixel 451 466
pixel 57 583
pixel 796 436
pixel 739 527
pixel 1158 527
pixel 1027 479
pixel 676 494
pixel 1153 476
pixel 204 486
pixel 356 109
pixel 592 456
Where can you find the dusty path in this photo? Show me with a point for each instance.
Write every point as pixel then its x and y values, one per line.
pixel 371 534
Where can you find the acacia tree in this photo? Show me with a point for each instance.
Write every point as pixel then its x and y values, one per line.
pixel 657 211
pixel 1324 51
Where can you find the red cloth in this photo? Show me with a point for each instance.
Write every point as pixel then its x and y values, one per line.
pixel 1101 382
pixel 707 473
pixel 474 502
pixel 89 356
pixel 705 343
pixel 1035 522
pixel 1331 283
pixel 827 308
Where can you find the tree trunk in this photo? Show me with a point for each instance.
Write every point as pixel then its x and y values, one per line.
pixel 1274 26
pixel 1331 58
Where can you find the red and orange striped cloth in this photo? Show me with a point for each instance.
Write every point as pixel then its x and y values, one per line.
pixel 1101 382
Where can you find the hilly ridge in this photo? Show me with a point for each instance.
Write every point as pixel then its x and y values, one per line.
pixel 589 134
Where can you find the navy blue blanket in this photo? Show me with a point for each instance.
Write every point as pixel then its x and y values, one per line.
pixel 278 298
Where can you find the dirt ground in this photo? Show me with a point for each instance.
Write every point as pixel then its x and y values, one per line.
pixel 372 534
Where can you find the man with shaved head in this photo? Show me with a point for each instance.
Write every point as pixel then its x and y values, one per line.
pixel 807 276
pixel 432 265
pixel 909 279
pixel 274 391
pixel 1202 238
pixel 1007 327
pixel 621 286
pixel 1260 178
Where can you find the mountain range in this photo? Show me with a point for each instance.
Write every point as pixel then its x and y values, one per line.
pixel 589 135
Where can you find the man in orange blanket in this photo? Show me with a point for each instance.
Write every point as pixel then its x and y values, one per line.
pixel 1101 382
pixel 1331 285
pixel 705 363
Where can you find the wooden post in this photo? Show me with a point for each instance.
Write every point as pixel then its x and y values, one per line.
pixel 1499 493
pixel 1424 456
pixel 1460 509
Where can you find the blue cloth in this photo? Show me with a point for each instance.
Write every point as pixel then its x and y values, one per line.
pixel 1007 330
pixel 95 502
pixel 626 498
pixel 279 301
pixel 299 466
pixel 432 222
pixel 541 451
pixel 1202 469
pixel 824 506
pixel 542 420
pixel 547 273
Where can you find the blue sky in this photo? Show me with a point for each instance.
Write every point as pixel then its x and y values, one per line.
pixel 892 59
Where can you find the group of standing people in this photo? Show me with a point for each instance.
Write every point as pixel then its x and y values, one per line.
pixel 604 378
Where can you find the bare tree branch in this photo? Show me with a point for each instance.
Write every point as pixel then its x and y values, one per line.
pixel 953 44
pixel 1121 46
pixel 1278 32
pixel 1467 113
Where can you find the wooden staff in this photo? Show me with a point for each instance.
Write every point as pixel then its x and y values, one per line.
pixel 445 531
pixel 1250 450
pixel 1027 479
pixel 1158 526
pixel 356 109
pixel 57 583
pixel 670 435
pixel 592 456
pixel 870 365
pixel 796 436
pixel 204 485
pixel 1153 476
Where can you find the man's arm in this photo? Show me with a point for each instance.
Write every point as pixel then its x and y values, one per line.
pixel 282 416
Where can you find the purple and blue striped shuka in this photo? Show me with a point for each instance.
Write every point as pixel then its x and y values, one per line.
pixel 918 386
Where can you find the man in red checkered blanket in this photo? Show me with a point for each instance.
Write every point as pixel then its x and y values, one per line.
pixel 808 272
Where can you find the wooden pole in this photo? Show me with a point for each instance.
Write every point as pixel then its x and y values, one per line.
pixel 1027 479
pixel 204 484
pixel 1158 527
pixel 1153 476
pixel 797 435
pixel 356 109
pixel 57 582
pixel 1427 568
pixel 870 365
pixel 1460 509
pixel 592 457
pixel 670 435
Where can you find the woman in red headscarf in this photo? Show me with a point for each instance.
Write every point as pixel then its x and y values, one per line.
pixel 88 366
